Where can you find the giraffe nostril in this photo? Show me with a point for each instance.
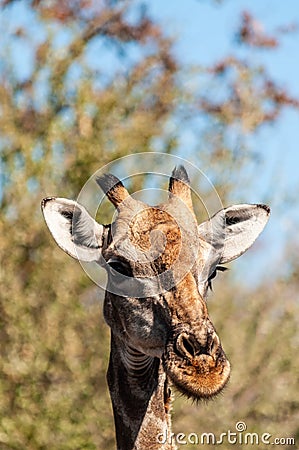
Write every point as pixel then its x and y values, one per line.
pixel 215 344
pixel 185 346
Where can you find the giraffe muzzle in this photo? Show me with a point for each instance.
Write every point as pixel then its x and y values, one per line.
pixel 198 369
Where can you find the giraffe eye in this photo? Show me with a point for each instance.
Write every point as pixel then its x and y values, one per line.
pixel 119 267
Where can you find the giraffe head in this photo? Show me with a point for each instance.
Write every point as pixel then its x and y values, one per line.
pixel 159 263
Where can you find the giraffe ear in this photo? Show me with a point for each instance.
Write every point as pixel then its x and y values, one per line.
pixel 73 229
pixel 233 230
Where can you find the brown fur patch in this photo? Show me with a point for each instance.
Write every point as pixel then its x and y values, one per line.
pixel 155 229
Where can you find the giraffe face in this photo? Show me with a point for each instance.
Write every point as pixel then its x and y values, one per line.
pixel 155 296
pixel 159 262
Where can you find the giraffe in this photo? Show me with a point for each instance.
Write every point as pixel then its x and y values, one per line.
pixel 160 263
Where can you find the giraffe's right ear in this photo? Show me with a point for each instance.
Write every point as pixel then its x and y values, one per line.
pixel 73 229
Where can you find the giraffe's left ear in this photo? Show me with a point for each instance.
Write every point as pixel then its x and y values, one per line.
pixel 233 230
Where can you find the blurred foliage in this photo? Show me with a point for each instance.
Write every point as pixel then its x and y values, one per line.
pixel 74 111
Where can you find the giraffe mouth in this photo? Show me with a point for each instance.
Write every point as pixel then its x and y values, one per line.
pixel 198 371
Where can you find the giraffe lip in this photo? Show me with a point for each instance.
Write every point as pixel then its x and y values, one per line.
pixel 198 385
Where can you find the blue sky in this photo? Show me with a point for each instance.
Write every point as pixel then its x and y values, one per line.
pixel 204 33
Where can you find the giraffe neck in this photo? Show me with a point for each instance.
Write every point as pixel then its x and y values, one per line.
pixel 140 399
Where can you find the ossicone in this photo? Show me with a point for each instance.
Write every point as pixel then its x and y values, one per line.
pixel 179 186
pixel 113 188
